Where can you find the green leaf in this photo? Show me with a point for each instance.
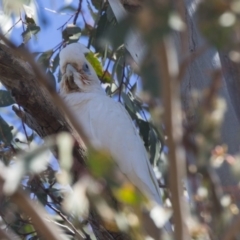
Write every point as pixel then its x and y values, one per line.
pixel 28 228
pixel 31 137
pixel 71 33
pixel 44 58
pixel 100 163
pixel 32 29
pixel 155 146
pixel 5 132
pixel 116 33
pixel 128 194
pixel 150 77
pixel 110 14
pixel 5 98
pixel 144 131
pixel 93 14
pixel 102 26
pixel 210 13
pixel 97 4
pixel 104 77
pixel 129 105
pixel 133 88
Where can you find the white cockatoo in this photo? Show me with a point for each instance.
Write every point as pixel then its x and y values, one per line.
pixel 106 123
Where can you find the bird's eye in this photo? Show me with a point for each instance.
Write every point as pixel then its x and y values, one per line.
pixel 86 68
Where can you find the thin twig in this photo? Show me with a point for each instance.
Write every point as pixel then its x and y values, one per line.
pixel 180 5
pixel 47 230
pixel 66 22
pixel 70 225
pixel 78 11
pixel 19 20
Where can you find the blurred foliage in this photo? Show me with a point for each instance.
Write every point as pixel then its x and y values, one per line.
pixel 102 194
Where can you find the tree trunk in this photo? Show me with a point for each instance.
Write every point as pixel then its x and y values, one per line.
pixel 197 77
pixel 41 115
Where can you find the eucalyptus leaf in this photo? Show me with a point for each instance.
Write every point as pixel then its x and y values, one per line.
pixel 110 14
pixel 6 98
pixel 55 62
pixel 69 8
pixel 129 105
pixel 116 33
pixel 93 14
pixel 32 29
pixel 104 76
pixel 102 27
pixel 97 4
pixel 71 33
pixel 144 131
pixel 155 146
pixel 44 58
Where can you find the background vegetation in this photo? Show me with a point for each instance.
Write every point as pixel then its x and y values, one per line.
pixel 174 66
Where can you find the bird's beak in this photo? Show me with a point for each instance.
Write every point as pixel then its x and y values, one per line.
pixel 69 79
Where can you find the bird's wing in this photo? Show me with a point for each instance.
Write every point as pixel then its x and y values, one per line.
pixel 114 130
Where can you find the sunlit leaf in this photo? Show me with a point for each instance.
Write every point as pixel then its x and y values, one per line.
pixel 104 77
pixel 28 228
pixel 5 98
pixel 128 194
pixel 100 163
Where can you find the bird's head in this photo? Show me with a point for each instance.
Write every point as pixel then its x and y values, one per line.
pixel 78 74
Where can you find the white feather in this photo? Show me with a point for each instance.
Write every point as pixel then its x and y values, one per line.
pixel 108 126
